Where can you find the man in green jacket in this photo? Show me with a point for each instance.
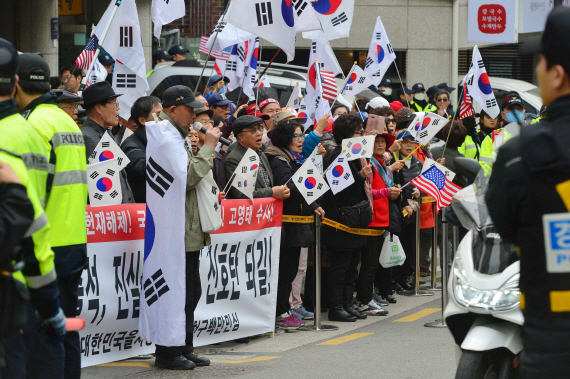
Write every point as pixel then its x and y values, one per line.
pixel 178 104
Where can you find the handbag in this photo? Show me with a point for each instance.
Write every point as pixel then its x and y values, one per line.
pixel 392 253
pixel 209 204
pixel 356 216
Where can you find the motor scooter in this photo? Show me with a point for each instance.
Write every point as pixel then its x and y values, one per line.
pixel 483 312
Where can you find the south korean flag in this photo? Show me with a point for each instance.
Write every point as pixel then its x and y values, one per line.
pixel 479 86
pixel 303 113
pixel 380 54
pixel 358 147
pixel 335 17
pixel 104 184
pixel 356 81
pixel 106 150
pixel 339 175
pixel 309 182
pixel 245 174
pixel 130 85
pixel 425 126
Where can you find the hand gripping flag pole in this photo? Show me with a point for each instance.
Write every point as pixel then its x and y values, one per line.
pixel 103 35
pixel 210 51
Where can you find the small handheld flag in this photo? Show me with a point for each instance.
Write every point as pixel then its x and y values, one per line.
pixel 339 175
pixel 106 150
pixel 309 182
pixel 358 147
pixel 103 183
pixel 434 183
pixel 245 174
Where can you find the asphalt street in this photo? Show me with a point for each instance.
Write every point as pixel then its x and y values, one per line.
pixel 393 346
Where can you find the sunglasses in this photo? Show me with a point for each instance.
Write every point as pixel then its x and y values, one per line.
pixel 391 121
pixel 442 99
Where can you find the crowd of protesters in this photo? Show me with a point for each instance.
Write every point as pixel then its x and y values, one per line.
pixel 354 285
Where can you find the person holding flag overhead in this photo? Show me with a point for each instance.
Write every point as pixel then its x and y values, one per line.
pixel 285 158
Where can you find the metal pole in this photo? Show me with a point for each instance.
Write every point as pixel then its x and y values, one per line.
pixel 455 239
pixel 433 286
pixel 441 322
pixel 416 291
pixel 103 35
pixel 317 325
pixel 454 50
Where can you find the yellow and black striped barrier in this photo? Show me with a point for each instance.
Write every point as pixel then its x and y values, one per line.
pixel 334 224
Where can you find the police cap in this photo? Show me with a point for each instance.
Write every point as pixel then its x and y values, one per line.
pixel 555 41
pixel 33 68
pixel 8 61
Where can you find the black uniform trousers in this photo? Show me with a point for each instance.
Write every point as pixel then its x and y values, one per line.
pixel 343 271
pixel 369 262
pixel 288 268
pixel 193 294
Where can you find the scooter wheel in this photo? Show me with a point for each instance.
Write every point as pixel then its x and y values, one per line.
pixel 477 365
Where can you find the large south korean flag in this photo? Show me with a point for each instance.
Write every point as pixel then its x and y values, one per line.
pixel 380 54
pixel 162 318
pixel 479 86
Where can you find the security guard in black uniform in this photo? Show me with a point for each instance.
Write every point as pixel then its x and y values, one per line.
pixel 529 200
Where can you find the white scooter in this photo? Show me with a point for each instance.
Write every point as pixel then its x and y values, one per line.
pixel 483 312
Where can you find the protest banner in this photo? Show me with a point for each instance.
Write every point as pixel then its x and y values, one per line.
pixel 239 273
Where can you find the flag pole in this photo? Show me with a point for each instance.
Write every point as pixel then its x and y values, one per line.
pixel 100 42
pixel 452 119
pixel 259 77
pixel 344 85
pixel 318 78
pixel 211 47
pixel 401 82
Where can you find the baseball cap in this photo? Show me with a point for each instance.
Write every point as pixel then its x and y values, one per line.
pixel 161 54
pixel 386 82
pixel 216 78
pixel 432 91
pixel 66 96
pixel 445 87
pixel 396 105
pixel 218 99
pixel 8 61
pixel 250 109
pixel 177 49
pixel 513 100
pixel 180 95
pixel 555 39
pixel 106 60
pixel 33 68
pixel 404 134
pixel 405 89
pixel 243 122
pixel 376 103
pixel 418 87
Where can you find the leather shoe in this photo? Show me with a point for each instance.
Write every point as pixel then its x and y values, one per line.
pixel 406 286
pixel 351 311
pixel 337 313
pixel 391 299
pixel 198 361
pixel 175 363
pixel 397 287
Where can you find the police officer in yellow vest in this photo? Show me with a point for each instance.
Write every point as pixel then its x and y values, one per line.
pixel 18 139
pixel 420 103
pixel 529 201
pixel 66 197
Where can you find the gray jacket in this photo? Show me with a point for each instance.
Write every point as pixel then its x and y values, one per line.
pixel 92 134
pixel 198 166
pixel 232 161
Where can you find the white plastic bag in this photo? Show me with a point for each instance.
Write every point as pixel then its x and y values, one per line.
pixel 392 253
pixel 209 204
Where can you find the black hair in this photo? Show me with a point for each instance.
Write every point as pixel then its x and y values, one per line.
pixel 554 58
pixel 361 102
pixel 345 126
pixel 6 89
pixel 63 69
pixel 89 108
pixel 383 111
pixel 33 87
pixel 54 82
pixel 282 134
pixel 77 72
pixel 197 93
pixel 142 108
pixel 458 133
pixel 216 120
pixel 242 112
pixel 333 109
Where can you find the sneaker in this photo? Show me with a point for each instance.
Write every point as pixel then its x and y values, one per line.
pixel 381 302
pixel 288 322
pixel 370 309
pixel 305 313
pixel 297 314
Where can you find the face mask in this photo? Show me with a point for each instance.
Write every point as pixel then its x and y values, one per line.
pixel 387 91
pixel 224 90
pixel 420 96
pixel 515 115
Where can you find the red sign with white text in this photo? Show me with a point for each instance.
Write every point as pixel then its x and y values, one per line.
pixel 492 19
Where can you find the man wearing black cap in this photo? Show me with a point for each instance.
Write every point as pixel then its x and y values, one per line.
pixel 178 53
pixel 66 184
pixel 248 131
pixel 68 102
pixel 102 108
pixel 405 95
pixel 420 102
pixel 159 56
pixel 385 89
pixel 178 104
pixel 529 201
pixel 39 273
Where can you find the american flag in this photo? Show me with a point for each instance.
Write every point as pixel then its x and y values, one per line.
pixel 84 59
pixel 434 183
pixel 329 85
pixel 204 50
pixel 466 109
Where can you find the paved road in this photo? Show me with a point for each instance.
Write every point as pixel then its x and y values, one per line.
pixel 395 346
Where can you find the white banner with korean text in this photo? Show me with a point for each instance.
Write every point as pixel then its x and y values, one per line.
pixel 239 273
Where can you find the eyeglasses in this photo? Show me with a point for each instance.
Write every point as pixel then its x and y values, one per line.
pixel 254 130
pixel 391 121
pixel 74 107
pixel 442 99
pixel 116 104
pixel 298 137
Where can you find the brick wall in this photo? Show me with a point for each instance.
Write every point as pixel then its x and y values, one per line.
pixel 201 17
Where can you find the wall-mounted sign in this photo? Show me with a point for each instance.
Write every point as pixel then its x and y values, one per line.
pixel 55 28
pixel 69 7
pixel 494 21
